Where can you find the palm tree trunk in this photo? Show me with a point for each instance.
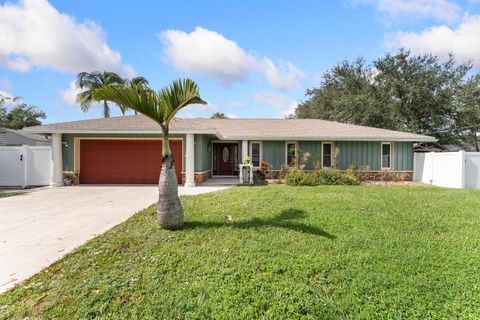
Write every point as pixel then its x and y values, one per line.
pixel 169 208
pixel 106 109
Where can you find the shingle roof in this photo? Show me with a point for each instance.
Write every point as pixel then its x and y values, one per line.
pixel 236 129
pixel 9 137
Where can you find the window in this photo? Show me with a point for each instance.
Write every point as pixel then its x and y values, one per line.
pixel 386 155
pixel 255 153
pixel 326 155
pixel 291 152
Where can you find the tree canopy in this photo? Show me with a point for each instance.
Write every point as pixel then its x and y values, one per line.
pixel 219 115
pixel 19 116
pixel 401 91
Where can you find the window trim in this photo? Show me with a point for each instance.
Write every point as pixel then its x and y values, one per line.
pixel 332 165
pixel 391 156
pixel 260 158
pixel 286 150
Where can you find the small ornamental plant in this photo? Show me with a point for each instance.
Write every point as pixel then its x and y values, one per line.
pixel 246 160
pixel 262 171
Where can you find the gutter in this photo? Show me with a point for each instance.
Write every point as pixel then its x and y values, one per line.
pixel 120 131
pixel 221 137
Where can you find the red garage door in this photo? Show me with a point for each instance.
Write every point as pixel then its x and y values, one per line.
pixel 125 161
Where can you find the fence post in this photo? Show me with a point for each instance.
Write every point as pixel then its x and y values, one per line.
pixel 414 178
pixel 462 168
pixel 24 159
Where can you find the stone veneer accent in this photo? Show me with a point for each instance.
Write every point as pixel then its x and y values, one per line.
pixel 366 176
pixel 74 176
pixel 385 175
pixel 200 177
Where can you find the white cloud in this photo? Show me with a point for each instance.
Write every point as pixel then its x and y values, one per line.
pixel 6 94
pixel 281 102
pixel 5 85
pixel 69 95
pixel 284 78
pixel 442 10
pixel 235 104
pixel 202 110
pixel 34 34
pixel 209 53
pixel 232 116
pixel 462 41
pixel 10 100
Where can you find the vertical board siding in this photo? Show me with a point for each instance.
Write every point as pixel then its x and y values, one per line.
pixel 274 152
pixel 403 155
pixel 364 153
pixel 315 150
pixel 203 157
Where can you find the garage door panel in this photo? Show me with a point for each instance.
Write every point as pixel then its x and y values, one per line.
pixel 119 161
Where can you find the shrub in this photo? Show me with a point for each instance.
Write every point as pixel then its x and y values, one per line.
pixel 319 177
pixel 263 170
pixel 285 170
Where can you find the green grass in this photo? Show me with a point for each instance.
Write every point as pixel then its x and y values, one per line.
pixel 324 252
pixel 4 194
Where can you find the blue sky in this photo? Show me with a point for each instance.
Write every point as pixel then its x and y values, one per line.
pixel 250 58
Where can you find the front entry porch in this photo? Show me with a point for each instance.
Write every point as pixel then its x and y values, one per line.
pixel 221 182
pixel 225 159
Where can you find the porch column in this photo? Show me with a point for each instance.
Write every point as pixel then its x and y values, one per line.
pixel 57 167
pixel 244 149
pixel 190 161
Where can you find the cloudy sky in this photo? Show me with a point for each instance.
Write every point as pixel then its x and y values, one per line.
pixel 250 58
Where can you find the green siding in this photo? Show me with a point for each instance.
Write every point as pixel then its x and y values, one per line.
pixel 403 155
pixel 312 147
pixel 274 153
pixel 364 153
pixel 368 153
pixel 203 153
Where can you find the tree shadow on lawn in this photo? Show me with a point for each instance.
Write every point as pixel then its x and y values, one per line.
pixel 282 220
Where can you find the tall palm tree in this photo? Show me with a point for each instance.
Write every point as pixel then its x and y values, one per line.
pixel 138 82
pixel 89 82
pixel 161 107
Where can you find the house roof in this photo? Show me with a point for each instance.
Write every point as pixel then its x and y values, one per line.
pixel 9 137
pixel 236 129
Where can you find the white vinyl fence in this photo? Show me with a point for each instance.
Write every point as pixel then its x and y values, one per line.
pixel 472 169
pixel 25 166
pixel 448 169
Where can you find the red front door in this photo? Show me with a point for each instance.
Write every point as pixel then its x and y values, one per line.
pixel 224 159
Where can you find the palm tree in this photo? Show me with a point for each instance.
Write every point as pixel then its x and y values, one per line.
pixel 139 82
pixel 161 107
pixel 89 82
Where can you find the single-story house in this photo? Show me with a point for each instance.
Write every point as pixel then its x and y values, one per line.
pixel 15 138
pixel 127 149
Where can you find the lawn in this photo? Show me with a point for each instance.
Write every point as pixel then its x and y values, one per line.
pixel 4 194
pixel 369 252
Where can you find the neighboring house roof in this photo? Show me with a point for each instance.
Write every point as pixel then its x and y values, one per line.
pixel 236 129
pixel 9 137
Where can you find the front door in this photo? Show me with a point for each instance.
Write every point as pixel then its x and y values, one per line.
pixel 224 159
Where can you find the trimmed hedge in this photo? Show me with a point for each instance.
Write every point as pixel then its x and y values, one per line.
pixel 319 177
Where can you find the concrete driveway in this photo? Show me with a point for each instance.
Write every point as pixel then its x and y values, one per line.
pixel 41 226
